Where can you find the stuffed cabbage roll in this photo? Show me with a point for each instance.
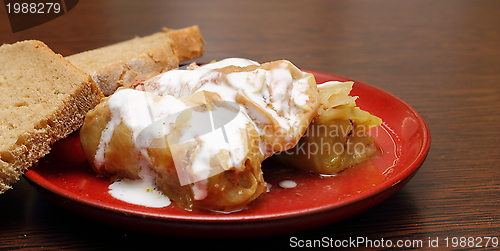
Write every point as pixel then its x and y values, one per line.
pixel 202 134
pixel 337 138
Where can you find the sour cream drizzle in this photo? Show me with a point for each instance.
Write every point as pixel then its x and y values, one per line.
pixel 139 192
pixel 274 92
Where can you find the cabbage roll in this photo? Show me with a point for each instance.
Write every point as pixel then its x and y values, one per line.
pixel 337 138
pixel 202 134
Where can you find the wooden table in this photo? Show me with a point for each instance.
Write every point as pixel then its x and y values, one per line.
pixel 441 57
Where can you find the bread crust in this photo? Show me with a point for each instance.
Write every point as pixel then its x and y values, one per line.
pixel 44 99
pixel 118 65
pixel 188 42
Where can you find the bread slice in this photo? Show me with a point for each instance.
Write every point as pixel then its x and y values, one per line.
pixel 43 99
pixel 119 64
pixel 188 42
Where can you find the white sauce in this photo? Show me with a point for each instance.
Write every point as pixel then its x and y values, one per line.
pixel 288 184
pixel 138 192
pixel 241 62
pixel 274 94
pixel 268 187
pixel 137 110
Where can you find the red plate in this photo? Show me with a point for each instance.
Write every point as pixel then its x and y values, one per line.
pixel 65 177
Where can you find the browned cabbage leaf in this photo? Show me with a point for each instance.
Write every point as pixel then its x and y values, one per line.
pixel 337 138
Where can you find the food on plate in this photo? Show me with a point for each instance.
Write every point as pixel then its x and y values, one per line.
pixel 119 64
pixel 279 98
pixel 338 136
pixel 43 99
pixel 201 134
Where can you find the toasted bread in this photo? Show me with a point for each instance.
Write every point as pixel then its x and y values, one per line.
pixel 119 64
pixel 188 42
pixel 43 99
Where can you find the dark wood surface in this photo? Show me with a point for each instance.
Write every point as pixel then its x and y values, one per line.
pixel 441 57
